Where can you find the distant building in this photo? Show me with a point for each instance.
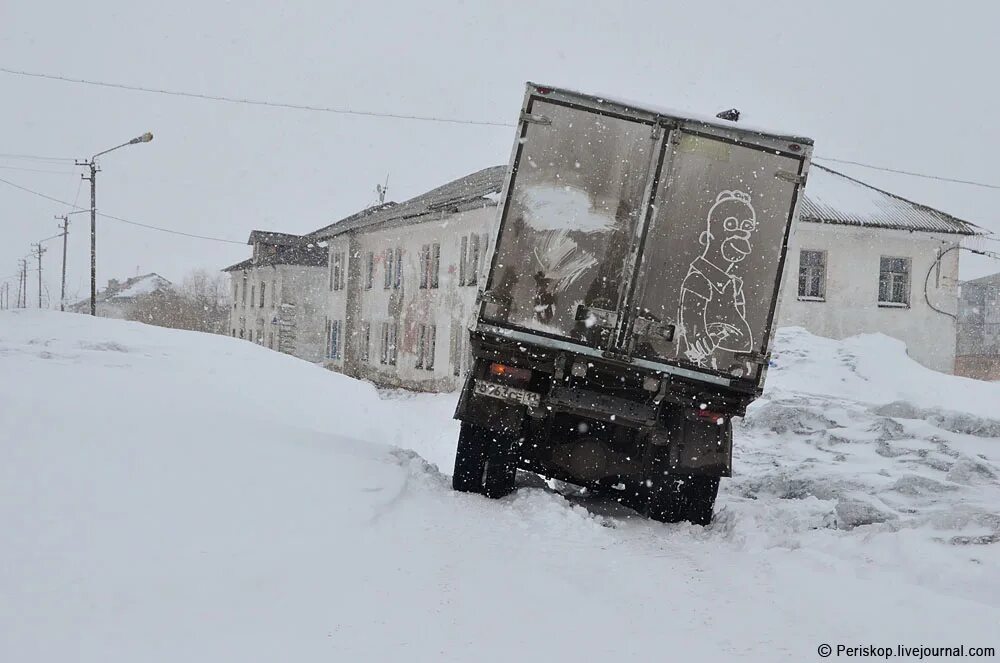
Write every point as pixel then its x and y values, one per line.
pixel 978 346
pixel 394 293
pixel 864 260
pixel 278 296
pixel 119 297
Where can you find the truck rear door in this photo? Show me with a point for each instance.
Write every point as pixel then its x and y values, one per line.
pixel 710 263
pixel 569 223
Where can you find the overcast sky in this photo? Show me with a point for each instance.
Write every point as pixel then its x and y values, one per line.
pixel 908 85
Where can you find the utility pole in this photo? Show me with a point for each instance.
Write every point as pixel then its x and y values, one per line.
pixel 22 282
pixel 39 250
pixel 92 164
pixel 65 231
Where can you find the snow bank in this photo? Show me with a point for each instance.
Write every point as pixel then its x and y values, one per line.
pixel 171 496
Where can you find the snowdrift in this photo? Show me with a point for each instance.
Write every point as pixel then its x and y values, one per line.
pixel 172 496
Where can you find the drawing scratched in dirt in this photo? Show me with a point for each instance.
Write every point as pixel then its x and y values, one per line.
pixel 712 311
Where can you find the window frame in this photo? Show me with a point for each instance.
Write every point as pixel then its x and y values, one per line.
pixel 821 297
pixel 364 350
pixel 369 270
pixel 890 303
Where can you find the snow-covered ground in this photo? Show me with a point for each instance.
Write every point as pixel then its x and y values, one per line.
pixel 173 496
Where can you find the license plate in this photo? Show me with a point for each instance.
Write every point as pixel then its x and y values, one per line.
pixel 505 393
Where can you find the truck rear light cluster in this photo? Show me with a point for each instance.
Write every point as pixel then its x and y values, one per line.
pixel 512 373
pixel 710 416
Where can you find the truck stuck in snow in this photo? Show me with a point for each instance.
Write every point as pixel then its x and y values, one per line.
pixel 628 311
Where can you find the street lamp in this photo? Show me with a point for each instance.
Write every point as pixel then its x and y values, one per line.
pixel 92 164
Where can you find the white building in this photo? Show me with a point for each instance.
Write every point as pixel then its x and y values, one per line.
pixel 395 291
pixel 278 294
pixel 402 283
pixel 119 297
pixel 859 260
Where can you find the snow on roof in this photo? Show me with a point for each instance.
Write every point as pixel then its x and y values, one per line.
pixel 125 290
pixel 474 190
pixel 140 285
pixel 832 197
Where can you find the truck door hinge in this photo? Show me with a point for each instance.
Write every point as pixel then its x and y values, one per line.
pixel 788 176
pixel 535 119
pixel 657 131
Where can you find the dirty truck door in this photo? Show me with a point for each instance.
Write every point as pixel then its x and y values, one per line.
pixel 711 262
pixel 576 195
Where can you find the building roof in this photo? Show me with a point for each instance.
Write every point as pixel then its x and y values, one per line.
pixel 121 292
pixel 288 250
pixel 275 238
pixel 989 279
pixel 832 197
pixel 472 191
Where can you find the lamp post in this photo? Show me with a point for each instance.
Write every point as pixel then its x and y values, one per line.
pixel 92 164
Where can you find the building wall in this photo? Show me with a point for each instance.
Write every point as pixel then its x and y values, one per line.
pixel 290 320
pixel 978 346
pixel 852 279
pixel 850 305
pixel 408 308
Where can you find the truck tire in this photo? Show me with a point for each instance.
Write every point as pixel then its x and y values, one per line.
pixel 674 499
pixel 485 462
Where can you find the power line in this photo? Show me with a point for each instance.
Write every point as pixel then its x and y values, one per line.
pixel 397 116
pixel 909 172
pixel 36 158
pixel 39 170
pixel 256 102
pixel 118 218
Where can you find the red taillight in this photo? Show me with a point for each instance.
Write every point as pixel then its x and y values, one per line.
pixel 512 372
pixel 711 416
pixel 544 90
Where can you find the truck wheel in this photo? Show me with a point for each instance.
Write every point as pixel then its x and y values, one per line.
pixel 677 498
pixel 485 462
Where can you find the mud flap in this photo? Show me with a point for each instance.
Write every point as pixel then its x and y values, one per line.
pixel 698 447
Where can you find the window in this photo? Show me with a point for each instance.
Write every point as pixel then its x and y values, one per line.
pixel 253 295
pixel 812 275
pixel 388 356
pixel 459 348
pixel 369 270
pixel 462 255
pixel 473 260
pixel 425 347
pixel 241 333
pixel 398 283
pixel 894 282
pixel 387 282
pixel 430 263
pixel 270 340
pixel 234 332
pixel 468 260
pixel 334 331
pixel 337 271
pixel 236 290
pixel 263 287
pixel 244 301
pixel 365 340
pixel 274 293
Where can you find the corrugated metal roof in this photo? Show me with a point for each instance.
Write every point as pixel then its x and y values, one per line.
pixel 464 193
pixel 832 197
